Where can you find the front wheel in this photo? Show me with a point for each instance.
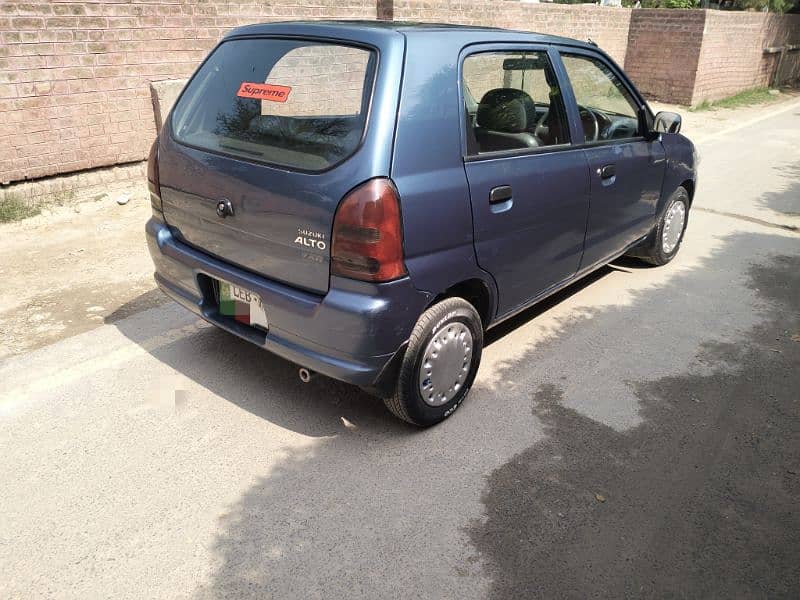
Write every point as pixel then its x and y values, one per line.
pixel 664 241
pixel 440 363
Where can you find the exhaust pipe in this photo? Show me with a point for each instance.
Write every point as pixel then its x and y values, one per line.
pixel 305 374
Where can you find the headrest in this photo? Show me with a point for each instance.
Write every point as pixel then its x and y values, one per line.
pixel 505 109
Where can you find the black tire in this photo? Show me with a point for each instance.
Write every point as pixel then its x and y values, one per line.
pixel 652 249
pixel 407 403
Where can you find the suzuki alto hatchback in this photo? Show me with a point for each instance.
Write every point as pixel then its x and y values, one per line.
pixel 365 199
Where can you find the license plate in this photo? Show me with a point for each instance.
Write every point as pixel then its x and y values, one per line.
pixel 241 304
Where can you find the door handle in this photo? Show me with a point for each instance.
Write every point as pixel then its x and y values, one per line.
pixel 607 171
pixel 499 194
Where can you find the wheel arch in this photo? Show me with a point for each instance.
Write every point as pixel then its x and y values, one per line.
pixel 475 291
pixel 689 186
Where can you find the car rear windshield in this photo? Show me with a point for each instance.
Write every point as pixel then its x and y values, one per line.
pixel 299 104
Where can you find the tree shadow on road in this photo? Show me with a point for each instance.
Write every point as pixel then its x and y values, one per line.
pixel 697 501
pixel 786 201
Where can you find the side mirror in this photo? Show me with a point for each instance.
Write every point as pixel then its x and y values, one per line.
pixel 667 122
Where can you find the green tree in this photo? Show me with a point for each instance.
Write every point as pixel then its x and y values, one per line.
pixel 670 3
pixel 778 6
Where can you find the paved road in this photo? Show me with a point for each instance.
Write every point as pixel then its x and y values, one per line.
pixel 636 436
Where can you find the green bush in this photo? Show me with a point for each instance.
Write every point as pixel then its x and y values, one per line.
pixel 14 208
pixel 755 5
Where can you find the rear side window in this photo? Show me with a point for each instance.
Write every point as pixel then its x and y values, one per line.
pixel 513 102
pixel 298 104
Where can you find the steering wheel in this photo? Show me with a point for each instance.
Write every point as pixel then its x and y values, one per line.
pixel 622 128
pixel 593 123
pixel 542 128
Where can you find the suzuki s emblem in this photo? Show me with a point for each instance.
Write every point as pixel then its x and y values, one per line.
pixel 224 208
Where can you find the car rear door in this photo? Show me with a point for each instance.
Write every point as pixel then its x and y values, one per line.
pixel 625 169
pixel 528 184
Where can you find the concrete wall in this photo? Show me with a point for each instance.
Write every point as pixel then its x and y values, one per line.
pixel 74 75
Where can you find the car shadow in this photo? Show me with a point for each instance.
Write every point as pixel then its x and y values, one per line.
pixel 625 264
pixel 142 302
pixel 269 386
pixel 254 379
pixel 499 331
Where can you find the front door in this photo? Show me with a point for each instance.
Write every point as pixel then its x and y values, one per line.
pixel 528 185
pixel 625 169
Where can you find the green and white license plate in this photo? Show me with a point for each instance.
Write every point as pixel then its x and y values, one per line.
pixel 241 304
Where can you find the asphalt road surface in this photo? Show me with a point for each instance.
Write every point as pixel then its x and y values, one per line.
pixel 638 436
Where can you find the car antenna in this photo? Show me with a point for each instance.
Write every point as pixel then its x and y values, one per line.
pixel 592 42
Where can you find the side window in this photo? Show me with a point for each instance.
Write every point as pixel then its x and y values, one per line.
pixel 513 102
pixel 606 108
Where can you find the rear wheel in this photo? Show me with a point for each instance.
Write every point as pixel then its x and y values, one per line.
pixel 664 241
pixel 440 363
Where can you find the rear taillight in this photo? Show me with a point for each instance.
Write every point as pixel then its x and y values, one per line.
pixel 152 177
pixel 367 241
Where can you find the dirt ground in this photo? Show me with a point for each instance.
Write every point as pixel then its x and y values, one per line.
pixel 710 123
pixel 73 268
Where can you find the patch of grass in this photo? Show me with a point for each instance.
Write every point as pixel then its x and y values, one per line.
pixel 13 208
pixel 66 197
pixel 744 98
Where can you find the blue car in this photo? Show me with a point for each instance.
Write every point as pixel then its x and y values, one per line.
pixel 366 199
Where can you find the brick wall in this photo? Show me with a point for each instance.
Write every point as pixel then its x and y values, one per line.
pixel 687 56
pixel 606 26
pixel 663 50
pixel 732 55
pixel 74 75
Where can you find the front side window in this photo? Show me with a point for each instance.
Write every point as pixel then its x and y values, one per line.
pixel 606 108
pixel 513 102
pixel 298 104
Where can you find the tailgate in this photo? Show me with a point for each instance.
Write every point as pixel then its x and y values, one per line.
pixel 258 153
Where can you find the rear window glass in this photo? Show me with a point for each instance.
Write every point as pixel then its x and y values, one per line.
pixel 299 104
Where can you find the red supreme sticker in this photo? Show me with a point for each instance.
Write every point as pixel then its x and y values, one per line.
pixel 264 91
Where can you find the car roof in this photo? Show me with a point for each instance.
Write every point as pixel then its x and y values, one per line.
pixel 345 28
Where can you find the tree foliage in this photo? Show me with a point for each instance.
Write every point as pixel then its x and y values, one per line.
pixel 670 3
pixel 778 6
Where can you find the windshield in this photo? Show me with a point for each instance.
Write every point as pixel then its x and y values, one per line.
pixel 299 104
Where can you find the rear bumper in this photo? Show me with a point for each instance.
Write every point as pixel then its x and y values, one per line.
pixel 351 334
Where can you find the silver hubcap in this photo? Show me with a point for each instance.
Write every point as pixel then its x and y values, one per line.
pixel 673 226
pixel 445 364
